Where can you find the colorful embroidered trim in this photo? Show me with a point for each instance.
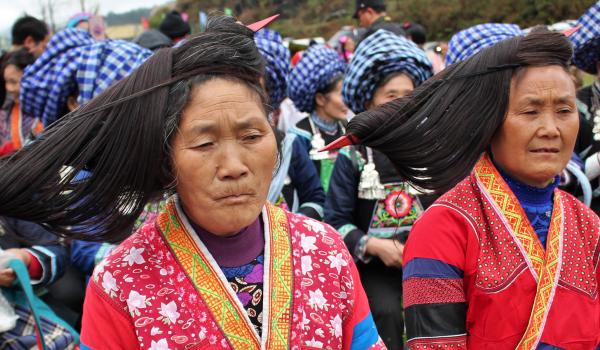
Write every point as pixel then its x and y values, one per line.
pixel 545 263
pixel 217 298
pixel 280 281
pixel 509 206
pixel 548 280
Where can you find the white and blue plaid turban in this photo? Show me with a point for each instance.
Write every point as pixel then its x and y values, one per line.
pixel 470 41
pixel 586 40
pixel 378 56
pixel 277 67
pixel 74 61
pixel 315 70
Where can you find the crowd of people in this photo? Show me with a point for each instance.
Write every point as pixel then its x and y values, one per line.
pixel 217 191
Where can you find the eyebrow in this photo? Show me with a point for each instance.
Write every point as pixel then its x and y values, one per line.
pixel 565 99
pixel 211 127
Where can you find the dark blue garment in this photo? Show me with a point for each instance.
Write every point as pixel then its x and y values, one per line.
pixel 41 243
pixel 305 180
pixel 536 202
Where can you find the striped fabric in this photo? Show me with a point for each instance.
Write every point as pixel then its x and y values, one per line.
pixel 470 41
pixel 433 290
pixel 378 56
pixel 586 41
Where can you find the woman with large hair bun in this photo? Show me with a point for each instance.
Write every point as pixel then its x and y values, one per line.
pixel 219 267
pixel 504 259
pixel 368 201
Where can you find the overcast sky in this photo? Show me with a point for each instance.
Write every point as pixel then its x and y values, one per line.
pixel 10 10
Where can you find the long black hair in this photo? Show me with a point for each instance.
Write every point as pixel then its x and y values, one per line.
pixel 122 137
pixel 435 135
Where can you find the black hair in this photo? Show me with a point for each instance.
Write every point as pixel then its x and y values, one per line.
pixel 20 59
pixel 416 33
pixel 435 135
pixel 28 26
pixel 123 138
pixel 379 8
pixel 330 86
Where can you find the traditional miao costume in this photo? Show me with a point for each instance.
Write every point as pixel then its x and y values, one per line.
pixel 495 264
pixel 172 285
pixel 296 185
pixel 317 68
pixel 367 197
pixel 586 55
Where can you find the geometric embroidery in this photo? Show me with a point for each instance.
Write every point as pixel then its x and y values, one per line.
pixel 224 308
pixel 545 264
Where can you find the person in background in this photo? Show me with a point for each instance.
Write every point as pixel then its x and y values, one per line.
pixel 416 33
pixel 371 15
pixel 586 56
pixel 368 202
pixel 73 69
pixel 16 128
pixel 175 27
pixel 503 259
pixel 470 41
pixel 44 257
pixel 219 267
pixel 296 185
pixel 30 33
pixel 345 47
pixel 153 39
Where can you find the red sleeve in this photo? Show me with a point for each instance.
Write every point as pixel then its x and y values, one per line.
pixel 35 268
pixel 104 326
pixel 437 260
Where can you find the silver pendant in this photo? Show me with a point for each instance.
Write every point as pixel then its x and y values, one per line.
pixel 318 143
pixel 370 186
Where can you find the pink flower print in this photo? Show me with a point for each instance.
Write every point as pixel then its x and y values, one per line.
pixel 134 256
pixel 314 343
pixel 317 300
pixel 398 204
pixel 169 311
pixel 336 326
pixel 202 333
pixel 136 301
pixel 155 331
pixel 315 226
pixel 159 345
pixel 337 262
pixel 306 261
pixel 212 339
pixel 109 283
pixel 308 243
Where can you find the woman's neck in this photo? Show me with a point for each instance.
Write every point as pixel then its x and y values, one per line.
pixel 329 125
pixel 528 193
pixel 234 250
pixel 320 112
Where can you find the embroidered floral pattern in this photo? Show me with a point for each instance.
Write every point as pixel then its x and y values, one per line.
pixel 143 277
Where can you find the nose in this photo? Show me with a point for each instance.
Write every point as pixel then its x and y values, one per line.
pixel 231 164
pixel 549 126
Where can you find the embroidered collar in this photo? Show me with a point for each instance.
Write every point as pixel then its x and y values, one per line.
pixel 328 127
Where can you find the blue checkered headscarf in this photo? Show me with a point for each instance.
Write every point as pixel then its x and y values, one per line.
pixel 586 40
pixel 74 61
pixel 277 67
pixel 378 56
pixel 315 70
pixel 470 41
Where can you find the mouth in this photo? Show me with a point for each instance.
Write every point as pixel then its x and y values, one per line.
pixel 545 150
pixel 236 198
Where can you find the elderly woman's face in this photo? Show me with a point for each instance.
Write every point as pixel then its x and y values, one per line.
pixel 537 137
pixel 223 156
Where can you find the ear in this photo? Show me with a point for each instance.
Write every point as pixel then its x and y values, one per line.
pixel 368 104
pixel 29 43
pixel 320 99
pixel 72 103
